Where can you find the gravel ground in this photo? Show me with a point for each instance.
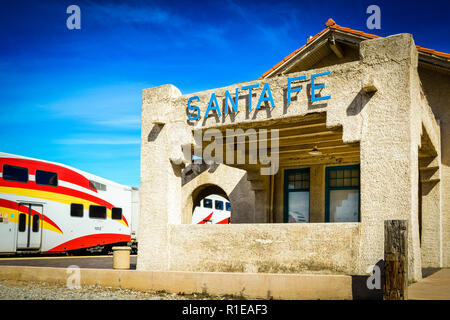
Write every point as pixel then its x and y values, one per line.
pixel 27 290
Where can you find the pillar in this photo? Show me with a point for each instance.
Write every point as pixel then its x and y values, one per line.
pixel 163 132
pixel 390 136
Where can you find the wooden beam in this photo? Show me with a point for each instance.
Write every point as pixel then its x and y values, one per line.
pixel 315 160
pixel 335 47
pixel 339 153
pixel 312 135
pixel 396 259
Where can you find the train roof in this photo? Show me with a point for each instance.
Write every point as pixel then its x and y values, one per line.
pixel 87 174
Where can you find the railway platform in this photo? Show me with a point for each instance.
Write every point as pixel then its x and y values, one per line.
pixel 91 262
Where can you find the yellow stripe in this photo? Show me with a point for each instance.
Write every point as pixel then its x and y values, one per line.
pixel 15 219
pixel 53 196
pixel 61 257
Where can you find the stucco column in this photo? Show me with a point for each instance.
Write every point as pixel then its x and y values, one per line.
pixel 163 132
pixel 390 136
pixel 317 194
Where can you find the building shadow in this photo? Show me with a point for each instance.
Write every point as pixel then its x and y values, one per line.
pixel 360 289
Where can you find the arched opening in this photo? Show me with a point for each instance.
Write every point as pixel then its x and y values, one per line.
pixel 210 205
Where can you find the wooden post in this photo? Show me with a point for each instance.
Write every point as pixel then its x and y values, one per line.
pixel 396 259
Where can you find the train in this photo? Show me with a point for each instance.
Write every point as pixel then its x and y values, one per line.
pixel 49 207
pixel 213 209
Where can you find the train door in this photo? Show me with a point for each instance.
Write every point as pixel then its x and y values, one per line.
pixel 29 231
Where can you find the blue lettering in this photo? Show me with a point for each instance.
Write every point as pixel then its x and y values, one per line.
pixel 234 103
pixel 262 98
pixel 289 89
pixel 215 107
pixel 250 88
pixel 320 86
pixel 193 108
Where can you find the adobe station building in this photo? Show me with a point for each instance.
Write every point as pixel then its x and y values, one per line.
pixel 363 136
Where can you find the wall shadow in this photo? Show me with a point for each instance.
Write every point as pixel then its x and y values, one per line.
pixel 360 291
pixel 359 102
pixel 153 135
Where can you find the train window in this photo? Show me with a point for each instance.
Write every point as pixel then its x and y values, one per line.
pixel 13 173
pixel 97 212
pixel 22 222
pixel 116 213
pixel 207 203
pixel 35 223
pixel 228 206
pixel 218 204
pixel 46 178
pixel 76 210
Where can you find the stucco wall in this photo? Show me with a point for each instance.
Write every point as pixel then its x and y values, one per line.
pixel 270 248
pixel 436 86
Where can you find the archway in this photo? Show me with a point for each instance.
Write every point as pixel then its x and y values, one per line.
pixel 210 204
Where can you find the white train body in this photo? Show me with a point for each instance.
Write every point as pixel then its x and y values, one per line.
pixel 213 209
pixel 50 207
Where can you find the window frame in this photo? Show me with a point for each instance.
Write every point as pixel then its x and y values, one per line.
pixel 215 205
pixel 43 184
pixel 212 204
pixel 35 227
pixel 9 165
pixel 21 223
pixel 328 189
pixel 287 190
pixel 106 212
pixel 121 213
pixel 82 210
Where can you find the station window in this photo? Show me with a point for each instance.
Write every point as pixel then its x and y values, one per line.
pixel 97 212
pixel 342 194
pixel 116 213
pixel 13 173
pixel 207 203
pixel 296 195
pixel 46 178
pixel 228 206
pixel 76 210
pixel 218 205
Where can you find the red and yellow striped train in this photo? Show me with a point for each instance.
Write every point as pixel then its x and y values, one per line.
pixel 49 207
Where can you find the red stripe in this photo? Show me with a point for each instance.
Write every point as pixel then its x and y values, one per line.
pixel 224 221
pixel 15 206
pixel 206 219
pixel 64 173
pixel 31 185
pixel 91 240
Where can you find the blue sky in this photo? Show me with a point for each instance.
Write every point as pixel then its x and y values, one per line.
pixel 74 96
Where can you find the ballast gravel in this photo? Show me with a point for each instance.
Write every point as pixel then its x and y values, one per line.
pixel 27 290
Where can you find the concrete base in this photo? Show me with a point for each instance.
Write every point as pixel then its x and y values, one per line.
pixel 247 285
pixel 433 287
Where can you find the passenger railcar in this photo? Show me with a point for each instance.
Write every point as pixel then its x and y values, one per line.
pixel 50 207
pixel 213 209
